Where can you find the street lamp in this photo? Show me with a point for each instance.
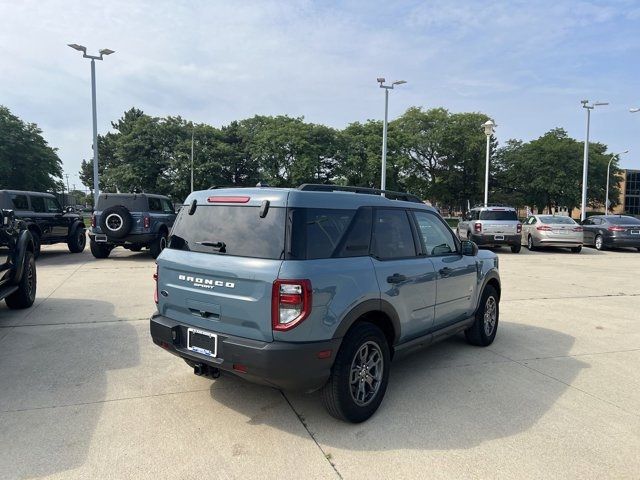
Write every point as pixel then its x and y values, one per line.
pixel 606 198
pixel 585 160
pixel 489 127
pixel 102 52
pixel 381 80
pixel 634 110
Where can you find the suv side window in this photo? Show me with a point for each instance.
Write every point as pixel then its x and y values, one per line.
pixel 166 206
pixel 37 204
pixel 392 235
pixel 436 236
pixel 155 205
pixel 19 202
pixel 52 205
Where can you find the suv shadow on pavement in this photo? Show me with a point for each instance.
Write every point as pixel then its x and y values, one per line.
pixel 55 383
pixel 441 398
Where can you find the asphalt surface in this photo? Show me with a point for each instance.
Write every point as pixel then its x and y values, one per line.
pixel 86 394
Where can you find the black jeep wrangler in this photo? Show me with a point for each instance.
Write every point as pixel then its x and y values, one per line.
pixel 17 262
pixel 131 220
pixel 45 218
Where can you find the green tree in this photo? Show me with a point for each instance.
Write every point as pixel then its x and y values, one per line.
pixel 27 162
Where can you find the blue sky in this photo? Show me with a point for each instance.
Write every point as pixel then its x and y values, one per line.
pixel 526 64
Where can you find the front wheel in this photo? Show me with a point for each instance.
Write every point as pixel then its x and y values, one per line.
pixel 100 250
pixel 516 248
pixel 576 249
pixel 36 243
pixel 599 243
pixel 26 293
pixel 530 245
pixel 359 375
pixel 483 330
pixel 78 240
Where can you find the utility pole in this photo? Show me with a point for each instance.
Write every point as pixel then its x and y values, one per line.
pixel 383 173
pixel 192 132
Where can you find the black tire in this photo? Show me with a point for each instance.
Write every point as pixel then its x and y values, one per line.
pixel 516 248
pixel 116 221
pixel 530 246
pixel 26 293
pixel 599 242
pixel 337 394
pixel 36 243
pixel 576 249
pixel 158 244
pixel 477 334
pixel 100 250
pixel 77 240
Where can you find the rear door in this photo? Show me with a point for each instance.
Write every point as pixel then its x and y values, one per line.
pixel 219 267
pixel 456 274
pixel 59 222
pixel 406 280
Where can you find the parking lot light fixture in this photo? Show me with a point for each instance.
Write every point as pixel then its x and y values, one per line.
pixel 383 174
pixel 606 198
pixel 489 128
pixel 93 58
pixel 634 110
pixel 585 161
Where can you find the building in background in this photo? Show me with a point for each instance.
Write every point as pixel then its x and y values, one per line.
pixel 629 193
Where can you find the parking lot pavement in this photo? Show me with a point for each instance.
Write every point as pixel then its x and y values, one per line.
pixel 87 395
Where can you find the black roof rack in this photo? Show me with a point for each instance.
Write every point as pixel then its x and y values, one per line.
pixel 390 194
pixel 492 205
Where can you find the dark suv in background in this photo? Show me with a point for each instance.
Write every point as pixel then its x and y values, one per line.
pixel 131 220
pixel 45 218
pixel 17 262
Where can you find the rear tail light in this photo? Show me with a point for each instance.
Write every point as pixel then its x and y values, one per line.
pixel 147 222
pixel 230 199
pixel 615 228
pixel 544 228
pixel 477 227
pixel 578 229
pixel 155 291
pixel 93 220
pixel 519 228
pixel 290 303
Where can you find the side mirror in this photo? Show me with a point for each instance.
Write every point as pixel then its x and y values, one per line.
pixel 469 248
pixel 7 217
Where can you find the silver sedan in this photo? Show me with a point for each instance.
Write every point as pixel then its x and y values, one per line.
pixel 552 231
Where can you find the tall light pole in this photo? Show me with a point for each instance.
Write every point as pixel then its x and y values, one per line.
pixel 585 160
pixel 104 51
pixel 634 110
pixel 192 133
pixel 489 127
pixel 383 175
pixel 606 198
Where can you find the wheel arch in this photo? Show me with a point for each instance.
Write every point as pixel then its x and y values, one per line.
pixel 379 313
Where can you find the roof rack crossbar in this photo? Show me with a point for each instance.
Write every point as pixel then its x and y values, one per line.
pixel 390 194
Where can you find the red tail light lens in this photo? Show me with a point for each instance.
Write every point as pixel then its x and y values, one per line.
pixel 544 228
pixel 615 228
pixel 155 291
pixel 147 222
pixel 578 229
pixel 223 199
pixel 477 227
pixel 290 303
pixel 93 220
pixel 519 228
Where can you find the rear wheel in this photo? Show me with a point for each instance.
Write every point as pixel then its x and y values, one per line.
pixel 576 249
pixel 484 328
pixel 158 245
pixel 599 243
pixel 26 293
pixel 78 240
pixel 359 375
pixel 516 248
pixel 100 250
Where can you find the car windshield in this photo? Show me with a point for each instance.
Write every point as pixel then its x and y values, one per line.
pixel 498 215
pixel 552 219
pixel 623 221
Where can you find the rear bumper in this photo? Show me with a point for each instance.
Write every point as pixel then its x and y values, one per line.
pixel 621 241
pixel 490 240
pixel 284 365
pixel 135 238
pixel 560 242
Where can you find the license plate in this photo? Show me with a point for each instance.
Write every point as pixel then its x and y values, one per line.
pixel 562 232
pixel 635 232
pixel 101 238
pixel 498 237
pixel 202 342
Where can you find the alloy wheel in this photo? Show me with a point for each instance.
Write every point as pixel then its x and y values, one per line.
pixel 365 376
pixel 490 316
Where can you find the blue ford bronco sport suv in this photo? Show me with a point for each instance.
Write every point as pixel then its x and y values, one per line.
pixel 131 220
pixel 317 288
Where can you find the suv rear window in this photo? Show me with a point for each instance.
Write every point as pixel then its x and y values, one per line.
pixel 498 215
pixel 240 229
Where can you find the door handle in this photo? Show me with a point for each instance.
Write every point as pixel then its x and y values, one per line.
pixel 396 278
pixel 445 272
